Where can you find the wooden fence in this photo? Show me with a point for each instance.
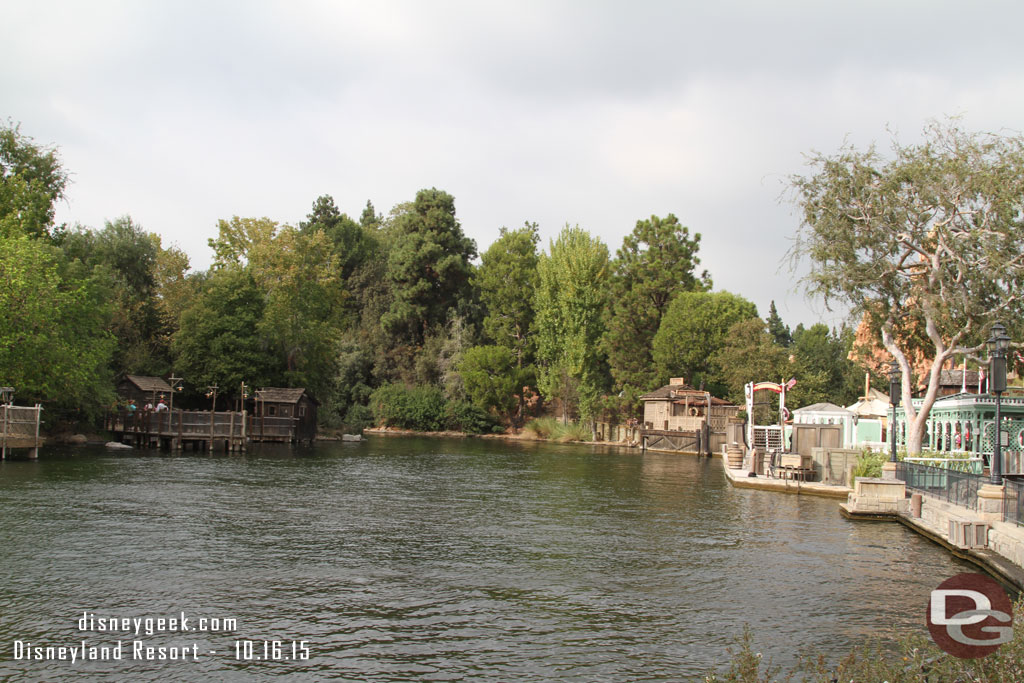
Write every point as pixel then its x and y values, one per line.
pixel 19 428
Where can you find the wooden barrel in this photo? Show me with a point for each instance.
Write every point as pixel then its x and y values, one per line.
pixel 734 457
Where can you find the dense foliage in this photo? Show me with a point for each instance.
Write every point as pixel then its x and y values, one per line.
pixel 387 320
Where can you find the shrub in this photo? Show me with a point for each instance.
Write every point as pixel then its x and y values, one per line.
pixel 419 408
pixel 551 428
pixel 463 416
pixel 869 464
pixel 541 427
pixel 574 431
pixel 357 418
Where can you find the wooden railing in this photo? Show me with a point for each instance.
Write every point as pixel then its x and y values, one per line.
pixel 184 424
pixel 19 427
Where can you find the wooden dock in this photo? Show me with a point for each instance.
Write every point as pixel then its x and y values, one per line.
pixel 19 428
pixel 180 429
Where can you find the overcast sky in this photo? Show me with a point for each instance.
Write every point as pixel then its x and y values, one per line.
pixel 589 113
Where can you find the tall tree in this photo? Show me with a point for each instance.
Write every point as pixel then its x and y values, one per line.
pixel 824 370
pixel 219 342
pixel 31 182
pixel 304 295
pixel 54 346
pixel 930 238
pixel 506 279
pixel 779 330
pixel 570 301
pixel 749 353
pixel 428 266
pixel 350 241
pixel 237 237
pixel 494 380
pixel 124 257
pixel 656 261
pixel 693 328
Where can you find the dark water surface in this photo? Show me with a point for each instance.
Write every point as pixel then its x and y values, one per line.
pixel 404 559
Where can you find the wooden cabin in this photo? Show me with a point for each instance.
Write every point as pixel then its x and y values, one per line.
pixel 679 407
pixel 142 389
pixel 283 414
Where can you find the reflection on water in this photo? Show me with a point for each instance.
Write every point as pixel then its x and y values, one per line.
pixel 423 559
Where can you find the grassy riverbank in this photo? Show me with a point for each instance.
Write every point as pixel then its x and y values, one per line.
pixel 915 658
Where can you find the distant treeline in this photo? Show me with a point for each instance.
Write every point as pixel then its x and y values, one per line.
pixel 379 312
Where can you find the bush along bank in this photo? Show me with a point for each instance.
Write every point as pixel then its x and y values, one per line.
pixel 425 409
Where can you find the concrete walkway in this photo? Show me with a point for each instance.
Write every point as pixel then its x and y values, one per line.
pixel 741 479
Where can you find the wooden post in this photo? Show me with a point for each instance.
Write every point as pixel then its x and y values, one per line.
pixel 231 431
pixel 181 420
pixel 3 446
pixel 35 443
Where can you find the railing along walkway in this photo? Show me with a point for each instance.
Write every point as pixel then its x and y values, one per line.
pixel 959 488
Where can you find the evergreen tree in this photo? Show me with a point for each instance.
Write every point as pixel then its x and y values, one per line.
pixel 657 261
pixel 779 331
pixel 428 266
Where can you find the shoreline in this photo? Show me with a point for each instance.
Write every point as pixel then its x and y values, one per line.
pixel 522 436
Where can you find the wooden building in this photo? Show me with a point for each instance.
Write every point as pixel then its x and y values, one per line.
pixel 143 390
pixel 283 414
pixel 678 407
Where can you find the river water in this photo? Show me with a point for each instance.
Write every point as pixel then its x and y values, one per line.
pixel 406 559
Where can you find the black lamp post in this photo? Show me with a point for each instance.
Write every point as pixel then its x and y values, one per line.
pixel 894 399
pixel 998 343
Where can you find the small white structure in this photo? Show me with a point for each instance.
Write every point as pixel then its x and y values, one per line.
pixel 872 420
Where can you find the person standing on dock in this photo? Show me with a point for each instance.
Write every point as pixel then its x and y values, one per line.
pixel 161 406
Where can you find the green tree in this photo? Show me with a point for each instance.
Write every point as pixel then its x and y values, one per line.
pixel 693 329
pixel 31 182
pixel 123 256
pixel 219 342
pixel 824 371
pixel 351 244
pixel 428 266
pixel 506 279
pixel 750 354
pixel 570 302
pixel 494 380
pixel 303 296
pixel 237 237
pixel 779 331
pixel 369 218
pixel 656 261
pixel 929 239
pixel 54 346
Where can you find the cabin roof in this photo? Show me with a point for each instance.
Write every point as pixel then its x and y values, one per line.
pixel 678 393
pixel 149 383
pixel 284 395
pixel 665 393
pixel 700 396
pixel 956 378
pixel 824 408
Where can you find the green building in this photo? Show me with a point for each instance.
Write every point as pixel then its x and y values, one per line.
pixel 965 423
